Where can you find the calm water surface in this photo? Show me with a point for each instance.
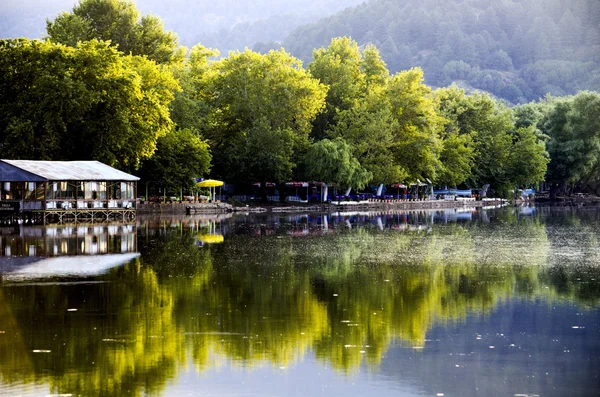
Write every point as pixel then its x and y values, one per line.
pixel 502 302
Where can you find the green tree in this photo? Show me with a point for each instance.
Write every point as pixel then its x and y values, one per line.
pixel 370 133
pixel 332 161
pixel 374 68
pixel 339 67
pixel 180 156
pixel 416 144
pixel 528 158
pixel 489 125
pixel 249 96
pixel 574 146
pixel 266 154
pixel 458 147
pixel 84 102
pixel 189 107
pixel 456 159
pixel 119 22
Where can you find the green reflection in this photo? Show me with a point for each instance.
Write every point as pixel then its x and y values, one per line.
pixel 255 301
pixel 121 340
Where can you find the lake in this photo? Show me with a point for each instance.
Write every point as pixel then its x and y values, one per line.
pixel 496 302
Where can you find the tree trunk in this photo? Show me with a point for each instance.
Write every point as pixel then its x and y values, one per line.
pixel 281 188
pixel 263 191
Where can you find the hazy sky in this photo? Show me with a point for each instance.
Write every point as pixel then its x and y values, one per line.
pixel 28 17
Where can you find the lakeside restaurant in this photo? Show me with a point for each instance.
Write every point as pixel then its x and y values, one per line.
pixel 58 191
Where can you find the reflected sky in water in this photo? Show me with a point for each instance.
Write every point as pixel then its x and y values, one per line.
pixel 460 303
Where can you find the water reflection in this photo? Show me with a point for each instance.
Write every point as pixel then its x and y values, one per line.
pixel 352 290
pixel 66 250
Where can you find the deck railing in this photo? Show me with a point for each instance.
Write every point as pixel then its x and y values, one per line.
pixel 89 204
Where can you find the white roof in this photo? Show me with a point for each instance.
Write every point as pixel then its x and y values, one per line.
pixel 72 170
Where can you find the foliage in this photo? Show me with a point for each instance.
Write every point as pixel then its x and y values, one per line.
pixel 528 158
pixel 84 102
pixel 332 161
pixel 119 22
pixel 574 138
pixel 370 133
pixel 416 142
pixel 339 67
pixel 249 97
pixel 180 156
pixel 266 154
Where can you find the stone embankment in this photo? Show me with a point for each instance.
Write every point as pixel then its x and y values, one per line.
pixel 184 208
pixel 205 208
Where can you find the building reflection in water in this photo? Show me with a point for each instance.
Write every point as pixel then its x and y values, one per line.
pixel 65 250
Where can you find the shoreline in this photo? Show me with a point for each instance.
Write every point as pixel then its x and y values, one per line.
pixel 217 208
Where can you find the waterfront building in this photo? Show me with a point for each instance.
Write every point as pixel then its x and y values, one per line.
pixel 60 191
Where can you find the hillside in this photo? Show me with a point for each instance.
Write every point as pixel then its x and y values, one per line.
pixel 224 24
pixel 518 50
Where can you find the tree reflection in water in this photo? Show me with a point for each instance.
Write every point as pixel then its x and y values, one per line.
pixel 269 298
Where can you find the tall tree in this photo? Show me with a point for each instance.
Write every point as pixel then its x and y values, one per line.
pixel 249 94
pixel 528 158
pixel 369 130
pixel 180 156
pixel 574 146
pixel 489 125
pixel 119 22
pixel 332 161
pixel 416 141
pixel 87 102
pixel 339 67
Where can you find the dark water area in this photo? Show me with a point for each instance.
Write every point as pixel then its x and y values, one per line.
pixel 495 302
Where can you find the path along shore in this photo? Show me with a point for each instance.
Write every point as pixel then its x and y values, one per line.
pixel 192 208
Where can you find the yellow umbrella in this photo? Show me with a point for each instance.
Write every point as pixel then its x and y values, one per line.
pixel 210 183
pixel 211 238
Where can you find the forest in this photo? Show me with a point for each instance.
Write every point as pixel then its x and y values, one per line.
pixel 111 84
pixel 518 50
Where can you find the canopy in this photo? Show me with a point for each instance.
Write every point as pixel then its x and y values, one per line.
pixel 399 186
pixel 209 183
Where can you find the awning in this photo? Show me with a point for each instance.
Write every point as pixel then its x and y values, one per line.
pixel 399 186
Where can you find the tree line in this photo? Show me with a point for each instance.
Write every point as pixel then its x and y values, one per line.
pixel 111 85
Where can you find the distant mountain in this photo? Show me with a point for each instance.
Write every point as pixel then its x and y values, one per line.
pixel 222 24
pixel 27 18
pixel 518 50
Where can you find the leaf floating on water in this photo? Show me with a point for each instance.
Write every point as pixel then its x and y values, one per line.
pixel 42 351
